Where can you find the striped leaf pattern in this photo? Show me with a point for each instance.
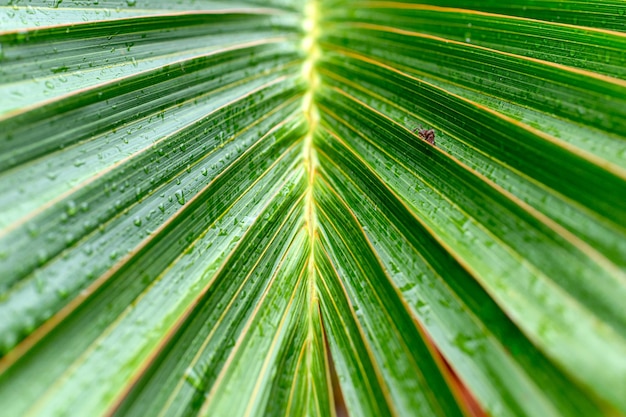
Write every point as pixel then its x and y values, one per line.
pixel 213 208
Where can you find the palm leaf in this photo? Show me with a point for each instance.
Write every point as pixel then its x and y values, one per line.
pixel 212 208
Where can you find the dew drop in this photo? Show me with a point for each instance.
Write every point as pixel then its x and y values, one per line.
pixel 40 284
pixel 42 256
pixel 71 209
pixel 180 197
pixel 192 377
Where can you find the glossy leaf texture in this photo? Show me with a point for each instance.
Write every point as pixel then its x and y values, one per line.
pixel 219 208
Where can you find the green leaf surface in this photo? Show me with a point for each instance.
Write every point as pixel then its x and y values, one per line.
pixel 216 208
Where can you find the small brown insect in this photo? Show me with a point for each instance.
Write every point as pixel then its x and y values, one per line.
pixel 426 134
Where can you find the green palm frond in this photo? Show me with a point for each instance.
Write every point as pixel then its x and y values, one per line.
pixel 232 208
